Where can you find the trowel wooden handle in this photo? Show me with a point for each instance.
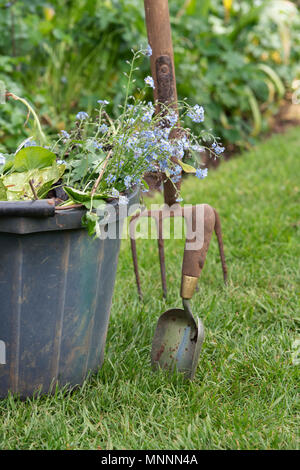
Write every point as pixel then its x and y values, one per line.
pixel 162 66
pixel 200 225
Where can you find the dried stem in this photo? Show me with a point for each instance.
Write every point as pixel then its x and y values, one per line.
pixel 101 174
pixel 64 208
pixel 33 190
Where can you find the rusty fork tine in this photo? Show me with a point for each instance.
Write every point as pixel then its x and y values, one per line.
pixel 136 268
pixel 132 226
pixel 159 225
pixel 132 230
pixel 161 252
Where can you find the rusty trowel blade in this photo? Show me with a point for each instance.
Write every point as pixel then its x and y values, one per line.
pixel 176 344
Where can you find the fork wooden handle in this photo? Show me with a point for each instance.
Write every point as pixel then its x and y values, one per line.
pixel 162 68
pixel 162 59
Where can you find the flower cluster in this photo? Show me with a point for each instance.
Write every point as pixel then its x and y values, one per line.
pixel 82 115
pixel 196 113
pixel 218 149
pixel 149 81
pixel 148 51
pixel 102 158
pixel 201 173
pixel 138 141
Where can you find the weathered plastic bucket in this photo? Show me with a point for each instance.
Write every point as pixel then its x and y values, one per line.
pixel 56 287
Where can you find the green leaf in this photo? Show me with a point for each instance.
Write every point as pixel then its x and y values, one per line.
pixel 80 196
pixel 257 117
pixel 247 20
pixel 89 221
pixel 274 77
pixel 3 193
pixel 33 158
pixel 95 204
pixel 145 184
pixel 186 168
pixel 199 6
pixel 191 7
pixel 50 176
pixel 17 184
pixel 9 162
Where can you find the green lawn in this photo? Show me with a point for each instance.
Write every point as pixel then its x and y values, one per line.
pixel 244 395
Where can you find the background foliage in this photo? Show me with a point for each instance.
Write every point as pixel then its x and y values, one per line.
pixel 236 58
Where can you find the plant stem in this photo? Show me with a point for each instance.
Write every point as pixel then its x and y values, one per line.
pixel 100 174
pixel 71 206
pixel 33 190
pixel 31 110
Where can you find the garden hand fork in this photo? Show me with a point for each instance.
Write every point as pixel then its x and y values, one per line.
pixel 162 69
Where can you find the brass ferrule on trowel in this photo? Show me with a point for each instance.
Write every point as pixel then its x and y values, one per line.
pixel 188 286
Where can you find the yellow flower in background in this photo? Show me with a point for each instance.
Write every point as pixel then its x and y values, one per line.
pixel 276 57
pixel 49 13
pixel 264 56
pixel 227 5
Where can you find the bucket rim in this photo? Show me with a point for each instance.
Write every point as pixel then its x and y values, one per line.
pixel 69 219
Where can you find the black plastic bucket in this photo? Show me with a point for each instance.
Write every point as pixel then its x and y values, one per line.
pixel 56 287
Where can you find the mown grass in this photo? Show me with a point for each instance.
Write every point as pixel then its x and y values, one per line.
pixel 244 395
